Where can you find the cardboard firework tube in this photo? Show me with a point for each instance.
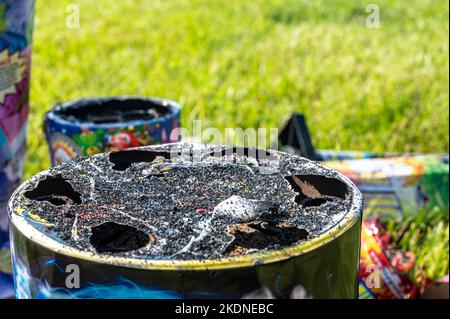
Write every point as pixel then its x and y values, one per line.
pixel 91 126
pixel 187 221
pixel 16 28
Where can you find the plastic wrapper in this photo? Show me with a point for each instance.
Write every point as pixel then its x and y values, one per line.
pixel 382 268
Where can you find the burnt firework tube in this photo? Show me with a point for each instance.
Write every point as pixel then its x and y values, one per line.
pixel 187 221
pixel 16 28
pixel 91 126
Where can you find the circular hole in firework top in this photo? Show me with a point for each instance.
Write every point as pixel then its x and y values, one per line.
pixel 260 235
pixel 314 202
pixel 123 159
pixel 315 190
pixel 111 237
pixel 55 190
pixel 102 111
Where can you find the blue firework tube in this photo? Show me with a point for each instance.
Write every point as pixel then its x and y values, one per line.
pixel 91 126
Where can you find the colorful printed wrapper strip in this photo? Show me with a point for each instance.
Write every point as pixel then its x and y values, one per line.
pixel 332 155
pixel 399 186
pixel 91 126
pixel 16 28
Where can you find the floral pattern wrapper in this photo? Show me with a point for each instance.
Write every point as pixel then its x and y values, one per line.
pixel 16 28
pixel 91 126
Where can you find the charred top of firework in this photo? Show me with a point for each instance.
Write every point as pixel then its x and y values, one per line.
pixel 184 201
pixel 111 110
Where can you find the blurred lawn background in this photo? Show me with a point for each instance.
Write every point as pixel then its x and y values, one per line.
pixel 252 63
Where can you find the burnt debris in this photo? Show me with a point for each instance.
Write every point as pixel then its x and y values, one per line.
pixel 260 235
pixel 315 190
pixel 114 238
pixel 124 159
pixel 185 201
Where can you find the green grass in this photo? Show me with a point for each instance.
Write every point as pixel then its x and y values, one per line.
pixel 427 236
pixel 251 63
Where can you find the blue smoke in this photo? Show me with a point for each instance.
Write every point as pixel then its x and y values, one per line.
pixel 121 289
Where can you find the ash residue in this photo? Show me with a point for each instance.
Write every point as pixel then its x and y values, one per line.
pixel 177 208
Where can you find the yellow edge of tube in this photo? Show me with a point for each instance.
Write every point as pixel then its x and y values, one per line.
pixel 223 263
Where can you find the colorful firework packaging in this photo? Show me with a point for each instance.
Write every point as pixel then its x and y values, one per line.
pixel 16 28
pixel 382 267
pixel 396 186
pixel 92 126
pixel 186 221
pixel 393 187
